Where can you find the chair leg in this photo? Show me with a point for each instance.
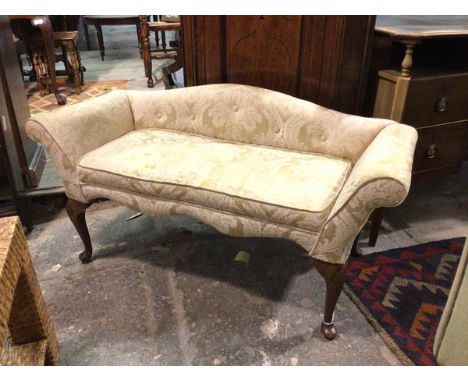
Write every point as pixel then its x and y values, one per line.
pixel 144 30
pixel 334 279
pixel 376 220
pixel 355 250
pixel 76 212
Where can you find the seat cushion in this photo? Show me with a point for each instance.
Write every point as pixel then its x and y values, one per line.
pixel 290 188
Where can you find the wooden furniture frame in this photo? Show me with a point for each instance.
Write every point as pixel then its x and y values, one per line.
pixel 145 28
pixel 100 21
pixel 68 42
pixel 45 26
pixel 26 332
pixel 130 119
pixel 417 79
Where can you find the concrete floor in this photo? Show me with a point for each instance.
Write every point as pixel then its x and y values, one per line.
pixel 122 64
pixel 122 59
pixel 157 295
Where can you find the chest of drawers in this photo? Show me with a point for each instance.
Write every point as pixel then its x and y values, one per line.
pixel 437 107
pixel 420 78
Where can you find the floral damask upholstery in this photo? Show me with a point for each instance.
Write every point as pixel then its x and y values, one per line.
pixel 248 161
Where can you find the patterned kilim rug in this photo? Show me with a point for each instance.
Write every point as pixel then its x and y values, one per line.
pixel 38 104
pixel 402 292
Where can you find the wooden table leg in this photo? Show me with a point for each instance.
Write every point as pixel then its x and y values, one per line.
pixel 163 40
pixel 86 35
pixel 44 24
pixel 100 40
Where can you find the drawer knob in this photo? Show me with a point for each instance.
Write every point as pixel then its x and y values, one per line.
pixel 441 104
pixel 431 151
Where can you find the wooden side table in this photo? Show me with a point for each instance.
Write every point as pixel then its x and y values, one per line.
pixel 99 21
pixel 47 33
pixel 68 42
pixel 26 332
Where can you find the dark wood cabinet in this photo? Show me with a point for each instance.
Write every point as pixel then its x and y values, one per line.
pixel 419 76
pixel 323 59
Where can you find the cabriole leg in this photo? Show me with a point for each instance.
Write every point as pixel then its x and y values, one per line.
pixel 76 211
pixel 334 279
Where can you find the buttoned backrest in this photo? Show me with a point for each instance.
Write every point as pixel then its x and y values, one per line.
pixel 253 115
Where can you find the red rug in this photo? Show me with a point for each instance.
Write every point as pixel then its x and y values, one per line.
pixel 402 292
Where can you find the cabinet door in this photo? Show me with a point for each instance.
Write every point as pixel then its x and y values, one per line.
pixel 323 59
pixel 264 51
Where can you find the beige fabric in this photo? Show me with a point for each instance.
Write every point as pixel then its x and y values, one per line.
pixel 72 131
pixel 290 188
pixel 225 222
pixel 380 178
pixel 451 340
pixel 258 116
pixel 183 142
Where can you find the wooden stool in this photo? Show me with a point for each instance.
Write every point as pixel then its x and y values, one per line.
pixel 155 26
pixel 68 42
pixel 26 332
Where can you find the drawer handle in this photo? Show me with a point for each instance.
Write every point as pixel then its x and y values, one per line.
pixel 431 151
pixel 441 104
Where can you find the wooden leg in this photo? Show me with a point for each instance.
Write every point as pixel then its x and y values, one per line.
pixel 24 209
pixel 45 26
pixel 75 69
pixel 82 68
pixel 100 40
pixel 156 38
pixel 139 40
pixel 355 251
pixel 37 66
pixel 334 279
pixel 163 40
pixel 86 34
pixel 375 226
pixel 65 61
pixel 76 211
pixel 174 67
pixel 144 30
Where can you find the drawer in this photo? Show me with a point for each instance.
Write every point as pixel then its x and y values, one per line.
pixel 436 100
pixel 441 146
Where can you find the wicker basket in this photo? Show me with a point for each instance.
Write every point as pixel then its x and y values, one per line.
pixel 26 332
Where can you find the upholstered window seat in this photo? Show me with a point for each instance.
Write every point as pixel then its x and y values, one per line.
pixel 248 161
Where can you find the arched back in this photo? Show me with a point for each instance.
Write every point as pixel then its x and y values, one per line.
pixel 253 115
